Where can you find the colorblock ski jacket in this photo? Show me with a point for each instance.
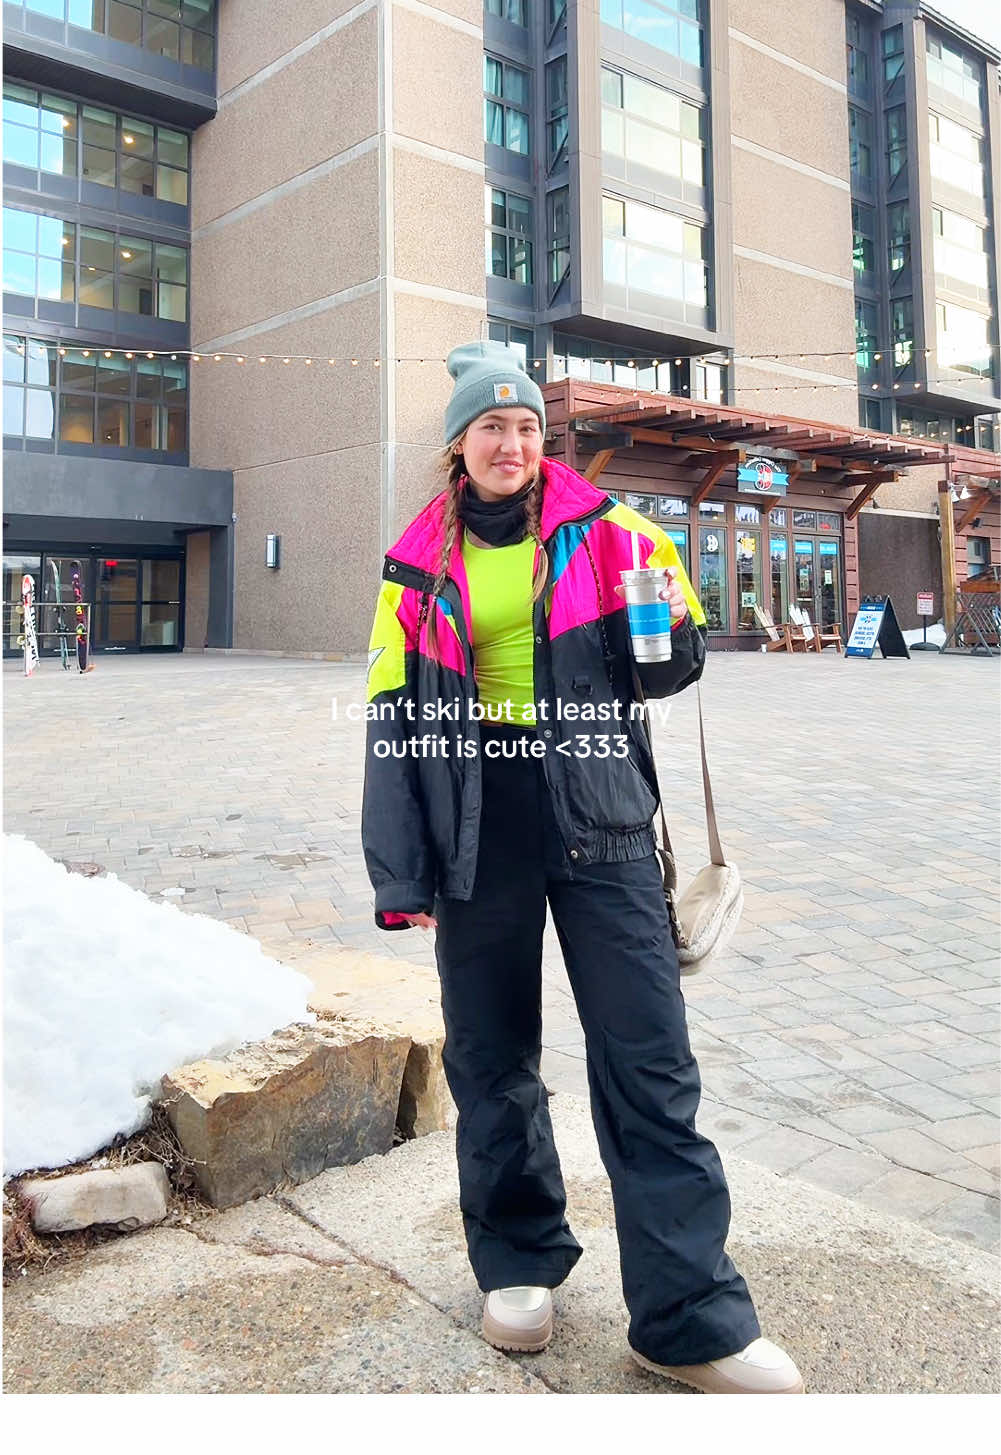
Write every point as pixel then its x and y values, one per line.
pixel 421 803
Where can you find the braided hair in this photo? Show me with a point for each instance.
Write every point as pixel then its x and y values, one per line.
pixel 452 466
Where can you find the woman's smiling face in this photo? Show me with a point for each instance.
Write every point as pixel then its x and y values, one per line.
pixel 502 450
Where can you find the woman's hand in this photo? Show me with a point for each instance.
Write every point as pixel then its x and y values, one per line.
pixel 672 592
pixel 424 921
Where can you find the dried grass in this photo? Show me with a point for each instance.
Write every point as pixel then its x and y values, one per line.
pixel 26 1249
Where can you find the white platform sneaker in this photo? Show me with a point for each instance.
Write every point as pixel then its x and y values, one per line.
pixel 519 1319
pixel 761 1368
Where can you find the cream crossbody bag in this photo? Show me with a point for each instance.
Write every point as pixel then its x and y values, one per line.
pixel 705 917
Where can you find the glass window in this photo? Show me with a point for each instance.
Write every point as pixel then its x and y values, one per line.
pixel 671 27
pixel 893 53
pixel 866 337
pixel 860 142
pixel 863 238
pixel 956 155
pixel 662 254
pixel 652 128
pixel 902 331
pixel 670 507
pixel 124 22
pixel 712 576
pixel 712 510
pixel 896 142
pixel 804 520
pixel 76 419
pixel 964 340
pixel 505 126
pixel 858 59
pixel 514 11
pixel 960 248
pixel 509 235
pixel 558 234
pixel 898 229
pixel 557 110
pixel 951 70
pixel 828 520
pixel 747 514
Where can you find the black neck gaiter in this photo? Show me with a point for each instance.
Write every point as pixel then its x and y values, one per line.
pixel 498 522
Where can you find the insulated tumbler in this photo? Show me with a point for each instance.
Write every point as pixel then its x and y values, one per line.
pixel 649 617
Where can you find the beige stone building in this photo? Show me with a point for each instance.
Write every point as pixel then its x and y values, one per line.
pixel 733 201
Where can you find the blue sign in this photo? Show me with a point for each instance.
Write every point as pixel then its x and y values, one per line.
pixel 680 539
pixel 761 477
pixel 876 625
pixel 828 548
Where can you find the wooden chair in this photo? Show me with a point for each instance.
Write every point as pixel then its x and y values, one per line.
pixel 821 636
pixel 780 639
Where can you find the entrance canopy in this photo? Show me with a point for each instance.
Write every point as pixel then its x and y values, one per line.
pixel 604 421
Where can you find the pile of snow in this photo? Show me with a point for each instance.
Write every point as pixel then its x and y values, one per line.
pixel 936 635
pixel 104 992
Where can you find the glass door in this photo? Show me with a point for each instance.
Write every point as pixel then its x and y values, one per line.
pixel 805 577
pixel 115 625
pixel 749 589
pixel 680 539
pixel 57 594
pixel 779 551
pixel 829 607
pixel 712 575
pixel 161 603
pixel 15 567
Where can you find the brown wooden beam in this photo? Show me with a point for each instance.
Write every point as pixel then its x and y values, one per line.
pixel 652 436
pixel 716 469
pixel 697 442
pixel 947 537
pixel 596 466
pixel 869 488
pixel 974 508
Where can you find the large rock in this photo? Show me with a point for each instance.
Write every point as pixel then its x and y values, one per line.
pixel 284 1109
pixel 401 995
pixel 126 1197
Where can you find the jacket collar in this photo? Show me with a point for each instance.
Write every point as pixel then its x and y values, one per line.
pixel 567 496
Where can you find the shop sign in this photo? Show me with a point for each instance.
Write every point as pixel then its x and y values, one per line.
pixel 926 603
pixel 876 625
pixel 761 477
pixel 680 539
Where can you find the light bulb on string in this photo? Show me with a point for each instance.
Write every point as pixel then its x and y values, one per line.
pixel 107 353
pixel 354 363
pixel 216 358
pixel 239 358
pixel 309 361
pixel 377 363
pixel 331 361
pixel 262 360
pixel 195 358
pixel 86 353
pixel 173 358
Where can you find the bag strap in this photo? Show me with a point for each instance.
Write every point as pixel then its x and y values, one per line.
pixel 716 854
pixel 666 852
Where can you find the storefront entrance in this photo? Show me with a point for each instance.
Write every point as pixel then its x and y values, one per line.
pixel 136 601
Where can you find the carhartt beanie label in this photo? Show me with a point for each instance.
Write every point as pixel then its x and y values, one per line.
pixel 488 375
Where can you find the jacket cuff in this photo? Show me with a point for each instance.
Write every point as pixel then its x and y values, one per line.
pixel 398 898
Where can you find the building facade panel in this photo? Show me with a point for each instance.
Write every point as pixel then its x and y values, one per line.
pixel 803 119
pixel 437 84
pixel 326 511
pixel 255 34
pixel 309 243
pixel 811 35
pixel 245 151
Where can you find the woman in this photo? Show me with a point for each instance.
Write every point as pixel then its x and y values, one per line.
pixel 504 770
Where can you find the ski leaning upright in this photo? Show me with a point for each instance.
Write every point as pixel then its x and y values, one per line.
pixel 61 626
pixel 81 621
pixel 28 638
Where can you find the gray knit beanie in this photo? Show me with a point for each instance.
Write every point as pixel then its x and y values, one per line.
pixel 488 375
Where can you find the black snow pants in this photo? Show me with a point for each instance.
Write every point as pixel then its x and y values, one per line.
pixel 686 1301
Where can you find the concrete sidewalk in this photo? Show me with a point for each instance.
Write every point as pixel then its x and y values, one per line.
pixel 357 1282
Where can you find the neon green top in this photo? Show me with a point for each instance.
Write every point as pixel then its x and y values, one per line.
pixel 500 602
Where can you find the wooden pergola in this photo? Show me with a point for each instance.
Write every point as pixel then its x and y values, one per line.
pixel 714 439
